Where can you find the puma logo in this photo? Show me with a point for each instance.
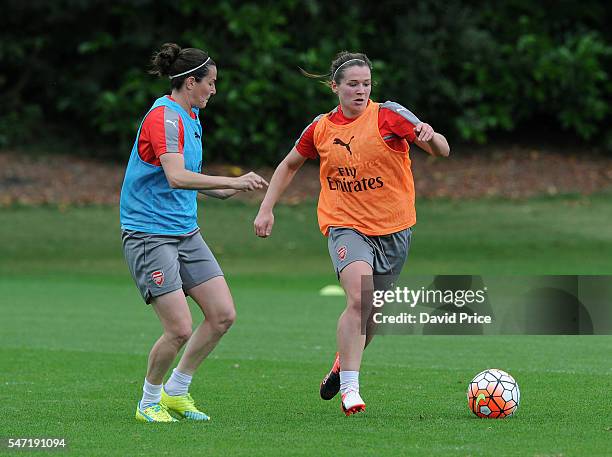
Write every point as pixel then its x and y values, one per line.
pixel 346 145
pixel 174 123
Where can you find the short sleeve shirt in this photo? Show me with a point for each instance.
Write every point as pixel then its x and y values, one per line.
pixel 395 123
pixel 162 131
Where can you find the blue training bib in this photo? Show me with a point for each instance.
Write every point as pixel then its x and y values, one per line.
pixel 148 204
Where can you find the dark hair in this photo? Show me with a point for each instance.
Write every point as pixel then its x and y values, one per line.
pixel 337 69
pixel 172 60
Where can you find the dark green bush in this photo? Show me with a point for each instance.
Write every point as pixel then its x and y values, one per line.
pixel 468 68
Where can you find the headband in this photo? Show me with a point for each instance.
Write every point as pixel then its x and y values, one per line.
pixel 341 65
pixel 189 71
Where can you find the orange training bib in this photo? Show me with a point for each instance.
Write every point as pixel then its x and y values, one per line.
pixel 365 184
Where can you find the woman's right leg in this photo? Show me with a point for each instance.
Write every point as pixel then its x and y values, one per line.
pixel 175 317
pixel 351 334
pixel 350 337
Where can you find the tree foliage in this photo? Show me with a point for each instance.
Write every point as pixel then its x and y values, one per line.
pixel 471 69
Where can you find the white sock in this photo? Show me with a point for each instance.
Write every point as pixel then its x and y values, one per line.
pixel 178 384
pixel 349 380
pixel 151 394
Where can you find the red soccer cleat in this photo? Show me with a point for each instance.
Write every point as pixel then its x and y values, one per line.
pixel 330 385
pixel 352 403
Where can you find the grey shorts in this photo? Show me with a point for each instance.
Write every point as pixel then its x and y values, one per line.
pixel 386 254
pixel 164 263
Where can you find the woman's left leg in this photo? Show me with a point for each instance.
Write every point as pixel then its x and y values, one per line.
pixel 215 300
pixel 203 280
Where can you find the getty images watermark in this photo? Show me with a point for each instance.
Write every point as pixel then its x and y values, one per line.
pixel 411 298
pixel 478 305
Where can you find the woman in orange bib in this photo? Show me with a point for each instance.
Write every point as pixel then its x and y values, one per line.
pixel 366 204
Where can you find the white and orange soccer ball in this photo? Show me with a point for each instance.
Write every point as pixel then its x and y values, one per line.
pixel 493 394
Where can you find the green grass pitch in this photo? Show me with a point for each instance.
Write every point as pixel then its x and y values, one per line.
pixel 74 337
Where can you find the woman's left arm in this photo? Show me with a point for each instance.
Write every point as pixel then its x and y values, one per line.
pixel 221 194
pixel 431 142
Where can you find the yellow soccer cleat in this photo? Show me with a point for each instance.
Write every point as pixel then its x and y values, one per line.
pixel 153 413
pixel 183 405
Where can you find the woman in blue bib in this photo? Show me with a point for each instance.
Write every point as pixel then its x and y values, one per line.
pixel 163 247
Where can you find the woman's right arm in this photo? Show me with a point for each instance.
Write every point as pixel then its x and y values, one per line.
pixel 283 175
pixel 180 178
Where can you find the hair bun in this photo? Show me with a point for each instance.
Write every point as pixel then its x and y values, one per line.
pixel 163 60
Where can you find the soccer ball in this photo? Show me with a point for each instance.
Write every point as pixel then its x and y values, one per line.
pixel 494 394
